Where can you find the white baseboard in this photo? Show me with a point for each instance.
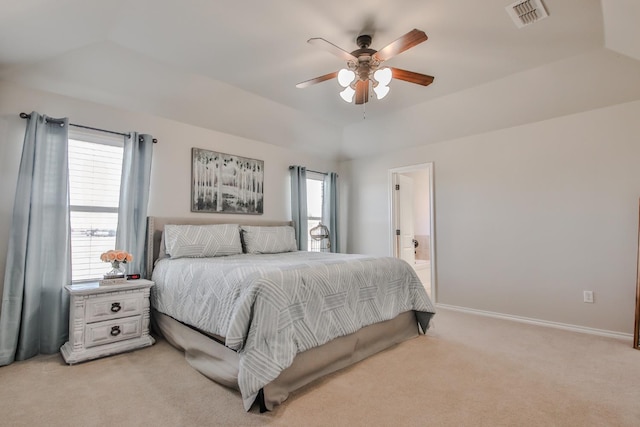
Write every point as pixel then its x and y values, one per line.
pixel 565 326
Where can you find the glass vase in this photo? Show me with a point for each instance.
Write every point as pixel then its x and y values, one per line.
pixel 118 270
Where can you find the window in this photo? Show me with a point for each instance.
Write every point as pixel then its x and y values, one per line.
pixel 315 194
pixel 95 167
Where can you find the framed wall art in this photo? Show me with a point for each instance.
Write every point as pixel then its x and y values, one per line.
pixel 225 183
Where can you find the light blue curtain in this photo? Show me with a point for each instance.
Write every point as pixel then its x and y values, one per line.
pixel 299 204
pixel 134 199
pixel 330 209
pixel 35 306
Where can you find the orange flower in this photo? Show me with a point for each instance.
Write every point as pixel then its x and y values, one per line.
pixel 111 256
pixel 116 255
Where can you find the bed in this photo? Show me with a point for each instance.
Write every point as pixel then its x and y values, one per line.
pixel 266 319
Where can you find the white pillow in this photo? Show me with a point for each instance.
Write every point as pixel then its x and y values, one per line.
pixel 269 240
pixel 197 241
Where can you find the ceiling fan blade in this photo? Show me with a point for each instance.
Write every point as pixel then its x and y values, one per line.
pixel 411 77
pixel 362 92
pixel 320 79
pixel 332 48
pixel 409 40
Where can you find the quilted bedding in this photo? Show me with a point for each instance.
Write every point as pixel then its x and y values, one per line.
pixel 270 307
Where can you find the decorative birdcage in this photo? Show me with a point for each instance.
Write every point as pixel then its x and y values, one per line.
pixel 320 241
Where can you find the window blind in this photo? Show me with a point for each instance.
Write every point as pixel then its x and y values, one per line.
pixel 94 192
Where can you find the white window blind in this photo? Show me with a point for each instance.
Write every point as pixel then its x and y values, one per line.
pixel 95 166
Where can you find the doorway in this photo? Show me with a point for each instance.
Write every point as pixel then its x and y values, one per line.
pixel 412 220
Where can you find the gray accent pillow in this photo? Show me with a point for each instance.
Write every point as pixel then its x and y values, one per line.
pixel 198 241
pixel 269 240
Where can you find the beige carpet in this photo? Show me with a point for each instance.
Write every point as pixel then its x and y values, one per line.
pixel 468 371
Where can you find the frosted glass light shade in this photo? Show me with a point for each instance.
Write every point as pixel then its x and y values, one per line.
pixel 345 77
pixel 347 94
pixel 383 76
pixel 381 91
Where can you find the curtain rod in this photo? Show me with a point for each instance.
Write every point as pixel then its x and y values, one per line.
pixel 26 116
pixel 309 170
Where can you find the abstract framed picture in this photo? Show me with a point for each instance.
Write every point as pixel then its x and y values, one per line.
pixel 224 183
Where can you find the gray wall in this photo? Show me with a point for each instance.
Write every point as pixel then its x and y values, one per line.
pixel 526 218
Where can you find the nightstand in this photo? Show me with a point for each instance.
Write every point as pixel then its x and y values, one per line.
pixel 105 320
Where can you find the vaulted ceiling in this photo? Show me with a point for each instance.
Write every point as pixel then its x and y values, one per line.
pixel 233 65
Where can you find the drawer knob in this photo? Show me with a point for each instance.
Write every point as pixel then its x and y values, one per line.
pixel 115 307
pixel 115 331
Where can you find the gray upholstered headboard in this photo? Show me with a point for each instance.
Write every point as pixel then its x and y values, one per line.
pixel 155 227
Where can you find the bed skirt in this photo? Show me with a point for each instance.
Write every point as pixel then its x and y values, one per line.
pixel 219 363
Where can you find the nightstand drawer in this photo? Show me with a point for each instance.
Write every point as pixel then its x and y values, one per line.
pixel 112 330
pixel 113 307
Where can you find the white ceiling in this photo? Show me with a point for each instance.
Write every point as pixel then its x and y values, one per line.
pixel 232 65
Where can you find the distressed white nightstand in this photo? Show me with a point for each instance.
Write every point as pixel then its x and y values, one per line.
pixel 105 320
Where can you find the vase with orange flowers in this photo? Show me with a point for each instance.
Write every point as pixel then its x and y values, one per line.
pixel 117 259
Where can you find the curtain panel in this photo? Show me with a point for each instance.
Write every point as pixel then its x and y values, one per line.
pixel 299 204
pixel 134 199
pixel 35 306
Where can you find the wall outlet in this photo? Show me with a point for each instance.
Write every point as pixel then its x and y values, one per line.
pixel 588 296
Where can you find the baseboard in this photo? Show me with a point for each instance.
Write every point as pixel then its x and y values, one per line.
pixel 557 325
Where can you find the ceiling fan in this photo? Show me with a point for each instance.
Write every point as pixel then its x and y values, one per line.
pixel 364 67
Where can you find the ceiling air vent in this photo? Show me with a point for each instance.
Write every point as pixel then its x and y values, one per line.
pixel 526 12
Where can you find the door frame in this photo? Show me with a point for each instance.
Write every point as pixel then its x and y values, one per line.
pixel 393 215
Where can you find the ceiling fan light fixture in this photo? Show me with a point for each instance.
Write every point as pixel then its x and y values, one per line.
pixel 345 77
pixel 347 94
pixel 381 91
pixel 383 76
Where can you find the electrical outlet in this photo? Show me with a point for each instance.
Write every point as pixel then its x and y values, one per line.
pixel 588 296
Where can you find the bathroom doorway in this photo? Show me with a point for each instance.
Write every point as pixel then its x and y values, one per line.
pixel 412 220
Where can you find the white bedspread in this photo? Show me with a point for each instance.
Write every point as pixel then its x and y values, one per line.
pixel 271 307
